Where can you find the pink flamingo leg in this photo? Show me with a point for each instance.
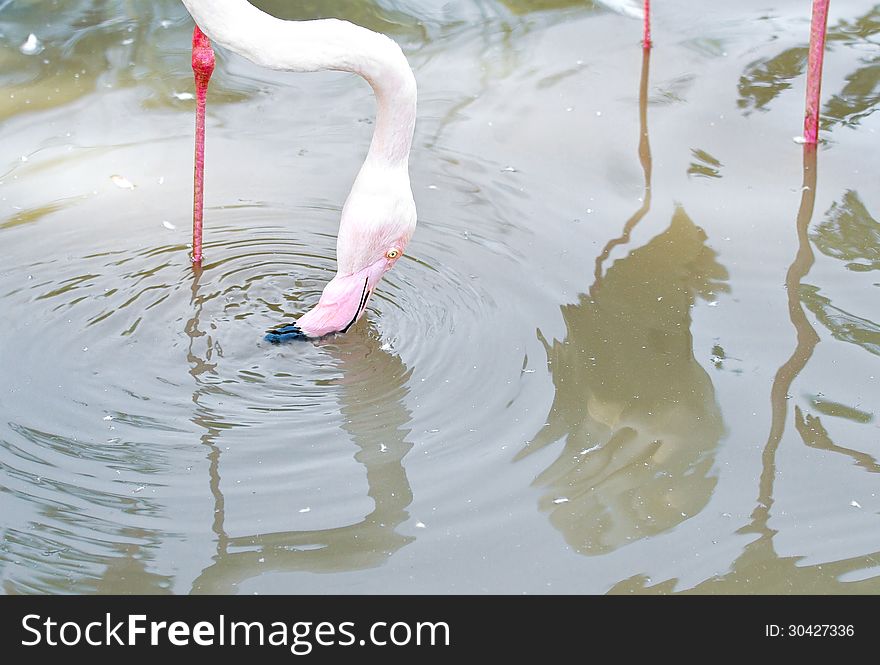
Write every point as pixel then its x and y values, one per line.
pixel 203 67
pixel 814 70
pixel 646 35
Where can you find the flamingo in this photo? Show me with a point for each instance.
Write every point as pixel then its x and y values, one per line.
pixel 818 27
pixel 379 215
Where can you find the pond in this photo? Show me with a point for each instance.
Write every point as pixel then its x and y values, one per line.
pixel 632 346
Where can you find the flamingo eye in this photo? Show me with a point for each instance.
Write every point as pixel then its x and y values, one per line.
pixel 392 253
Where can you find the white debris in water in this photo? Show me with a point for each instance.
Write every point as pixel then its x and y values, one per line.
pixel 122 182
pixel 31 46
pixel 432 186
pixel 140 488
pixel 305 510
pixel 714 303
pixel 24 158
pixel 528 371
pixel 168 225
pixel 800 140
pixel 161 179
pixel 108 417
pixel 562 499
pixel 165 22
pixel 508 169
pixel 127 42
pixel 598 114
pixel 383 448
pixel 184 96
pixel 421 525
pixel 855 504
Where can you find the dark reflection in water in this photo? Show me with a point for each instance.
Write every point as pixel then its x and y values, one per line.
pixel 90 47
pixel 644 160
pixel 806 344
pixel 527 6
pixel 760 568
pixel 784 570
pixel 385 17
pixel 765 79
pixel 843 325
pixel 860 95
pixel 129 573
pixel 850 234
pixel 72 552
pixel 365 544
pixel 637 411
pixel 814 435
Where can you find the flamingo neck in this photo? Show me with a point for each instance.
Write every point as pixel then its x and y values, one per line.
pixel 326 44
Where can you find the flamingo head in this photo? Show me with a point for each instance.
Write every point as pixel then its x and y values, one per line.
pixel 363 257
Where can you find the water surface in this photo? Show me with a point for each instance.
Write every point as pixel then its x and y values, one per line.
pixel 633 346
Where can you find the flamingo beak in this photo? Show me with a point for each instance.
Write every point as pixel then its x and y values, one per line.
pixel 342 303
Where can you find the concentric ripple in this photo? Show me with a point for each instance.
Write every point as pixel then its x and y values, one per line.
pixel 146 367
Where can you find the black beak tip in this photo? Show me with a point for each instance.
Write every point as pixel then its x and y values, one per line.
pixel 286 333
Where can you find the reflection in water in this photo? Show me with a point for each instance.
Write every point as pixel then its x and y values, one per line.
pixel 835 238
pixel 814 434
pixel 637 411
pixel 765 79
pixel 843 325
pixel 385 17
pixel 850 234
pixel 759 563
pixel 365 544
pixel 806 343
pixel 759 568
pixel 89 509
pixel 860 95
pixel 644 159
pixel 130 569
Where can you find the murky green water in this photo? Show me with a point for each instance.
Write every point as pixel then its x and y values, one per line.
pixel 633 347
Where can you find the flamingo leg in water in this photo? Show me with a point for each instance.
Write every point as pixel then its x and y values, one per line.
pixel 646 35
pixel 814 70
pixel 203 67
